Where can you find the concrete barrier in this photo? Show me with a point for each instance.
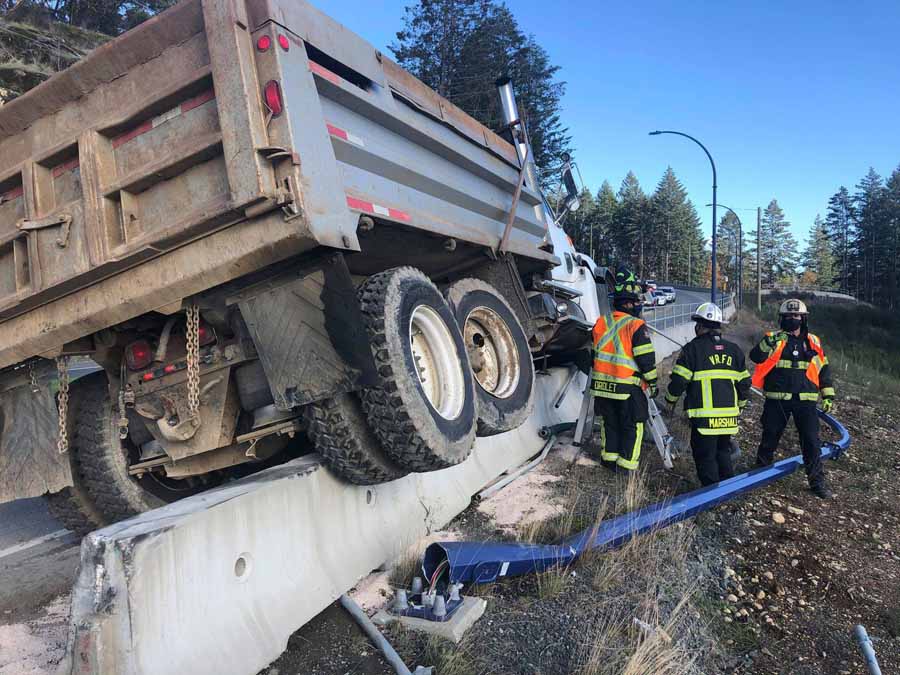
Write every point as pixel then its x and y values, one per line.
pixel 216 583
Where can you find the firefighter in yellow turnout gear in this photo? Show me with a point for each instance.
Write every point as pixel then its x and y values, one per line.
pixel 624 364
pixel 712 373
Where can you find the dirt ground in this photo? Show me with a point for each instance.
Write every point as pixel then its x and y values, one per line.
pixel 770 583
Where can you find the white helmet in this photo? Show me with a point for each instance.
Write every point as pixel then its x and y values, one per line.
pixel 793 306
pixel 709 311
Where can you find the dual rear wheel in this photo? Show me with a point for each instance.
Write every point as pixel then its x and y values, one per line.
pixel 448 368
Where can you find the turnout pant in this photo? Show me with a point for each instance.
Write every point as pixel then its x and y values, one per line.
pixel 621 427
pixel 775 418
pixel 712 456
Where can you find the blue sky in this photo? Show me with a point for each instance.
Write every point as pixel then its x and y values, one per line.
pixel 793 99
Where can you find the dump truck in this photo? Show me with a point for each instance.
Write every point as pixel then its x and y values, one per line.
pixel 239 233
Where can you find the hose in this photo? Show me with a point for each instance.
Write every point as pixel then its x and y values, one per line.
pixel 868 652
pixel 495 487
pixel 393 658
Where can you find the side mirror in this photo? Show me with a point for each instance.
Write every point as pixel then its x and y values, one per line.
pixel 573 203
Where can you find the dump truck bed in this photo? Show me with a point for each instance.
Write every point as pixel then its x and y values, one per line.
pixel 155 168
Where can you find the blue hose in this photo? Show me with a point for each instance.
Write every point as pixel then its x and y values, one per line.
pixel 483 562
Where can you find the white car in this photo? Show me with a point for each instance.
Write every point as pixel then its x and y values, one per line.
pixel 655 299
pixel 669 292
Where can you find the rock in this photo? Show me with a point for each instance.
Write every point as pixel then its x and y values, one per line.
pixel 768 575
pixel 729 572
pixel 778 518
pixel 741 592
pixel 795 511
pixel 761 595
pixel 758 606
pixel 732 598
pixel 728 619
pixel 775 502
pixel 794 562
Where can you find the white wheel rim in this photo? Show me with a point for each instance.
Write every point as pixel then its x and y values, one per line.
pixel 492 352
pixel 437 362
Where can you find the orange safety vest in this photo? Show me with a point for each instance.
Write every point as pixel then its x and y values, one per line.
pixel 613 351
pixel 812 371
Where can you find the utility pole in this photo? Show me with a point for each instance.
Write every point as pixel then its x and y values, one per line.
pixel 758 259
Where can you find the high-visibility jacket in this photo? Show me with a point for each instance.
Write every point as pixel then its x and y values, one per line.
pixel 624 359
pixel 713 373
pixel 791 366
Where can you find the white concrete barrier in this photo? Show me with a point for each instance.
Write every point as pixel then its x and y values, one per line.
pixel 216 583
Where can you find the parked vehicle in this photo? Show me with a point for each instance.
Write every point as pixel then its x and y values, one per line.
pixel 669 293
pixel 270 239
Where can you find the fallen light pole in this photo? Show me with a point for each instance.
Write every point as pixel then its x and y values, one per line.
pixel 484 562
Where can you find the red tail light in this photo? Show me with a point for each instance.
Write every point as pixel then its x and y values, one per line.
pixel 138 355
pixel 272 97
pixel 264 43
pixel 207 335
pixel 284 42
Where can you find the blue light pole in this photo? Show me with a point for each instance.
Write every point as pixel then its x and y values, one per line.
pixel 713 164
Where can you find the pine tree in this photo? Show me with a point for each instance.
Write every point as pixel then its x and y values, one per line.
pixel 818 261
pixel 871 232
pixel 839 224
pixel 605 214
pixel 631 224
pixel 779 248
pixel 460 47
pixel 674 229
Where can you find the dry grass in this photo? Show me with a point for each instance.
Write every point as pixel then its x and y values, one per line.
pixel 406 567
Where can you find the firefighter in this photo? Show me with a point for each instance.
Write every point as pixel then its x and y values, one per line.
pixel 713 373
pixel 624 365
pixel 793 371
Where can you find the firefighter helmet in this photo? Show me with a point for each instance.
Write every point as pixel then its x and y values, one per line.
pixel 709 313
pixel 627 286
pixel 793 306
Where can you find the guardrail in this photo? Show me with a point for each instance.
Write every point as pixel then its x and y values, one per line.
pixel 669 316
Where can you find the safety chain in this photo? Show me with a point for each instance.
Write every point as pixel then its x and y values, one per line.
pixel 62 368
pixel 35 389
pixel 192 335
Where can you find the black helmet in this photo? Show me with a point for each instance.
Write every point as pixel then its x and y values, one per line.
pixel 627 286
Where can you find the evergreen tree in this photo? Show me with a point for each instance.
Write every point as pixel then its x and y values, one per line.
pixel 779 248
pixel 839 223
pixel 631 224
pixel 603 224
pixel 460 47
pixel 871 232
pixel 675 229
pixel 818 261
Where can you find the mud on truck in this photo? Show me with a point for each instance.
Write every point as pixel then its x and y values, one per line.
pixel 239 233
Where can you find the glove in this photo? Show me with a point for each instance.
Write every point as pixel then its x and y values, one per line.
pixel 653 391
pixel 774 339
pixel 827 404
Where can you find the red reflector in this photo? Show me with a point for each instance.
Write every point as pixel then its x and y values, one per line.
pixel 272 97
pixel 284 42
pixel 264 43
pixel 138 355
pixel 206 334
pixel 147 377
pixel 171 368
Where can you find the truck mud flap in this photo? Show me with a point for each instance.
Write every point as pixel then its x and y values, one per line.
pixel 309 333
pixel 30 464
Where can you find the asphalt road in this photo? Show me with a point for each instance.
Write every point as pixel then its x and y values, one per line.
pixel 676 313
pixel 38 559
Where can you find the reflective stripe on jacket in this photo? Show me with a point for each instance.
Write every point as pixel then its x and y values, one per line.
pixel 618 349
pixel 712 374
pixel 814 369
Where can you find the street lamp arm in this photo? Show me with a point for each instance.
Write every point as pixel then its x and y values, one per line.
pixel 681 133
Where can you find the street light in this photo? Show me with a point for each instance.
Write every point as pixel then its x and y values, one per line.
pixel 739 255
pixel 713 164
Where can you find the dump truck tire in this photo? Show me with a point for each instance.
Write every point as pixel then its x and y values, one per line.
pixel 338 429
pixel 103 457
pixel 73 506
pixel 498 353
pixel 423 407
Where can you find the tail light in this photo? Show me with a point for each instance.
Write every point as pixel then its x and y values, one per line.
pixel 206 335
pixel 272 97
pixel 264 43
pixel 138 355
pixel 284 42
